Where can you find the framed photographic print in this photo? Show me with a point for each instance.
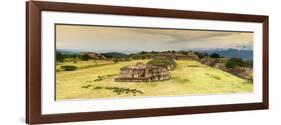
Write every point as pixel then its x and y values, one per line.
pixel 94 62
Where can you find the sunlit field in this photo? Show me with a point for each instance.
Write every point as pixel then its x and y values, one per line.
pixel 95 79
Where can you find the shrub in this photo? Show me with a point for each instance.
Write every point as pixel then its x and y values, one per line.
pixel 201 55
pixel 115 60
pixel 215 55
pixel 85 57
pixel 69 68
pixel 86 86
pixel 98 87
pixel 128 59
pixel 249 63
pixel 234 62
pixel 59 57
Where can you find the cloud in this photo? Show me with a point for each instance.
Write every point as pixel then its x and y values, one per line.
pixel 135 39
pixel 178 36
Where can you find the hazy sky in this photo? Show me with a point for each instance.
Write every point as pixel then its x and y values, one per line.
pixel 120 39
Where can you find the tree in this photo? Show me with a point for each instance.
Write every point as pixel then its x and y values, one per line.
pixel 143 52
pixel 215 55
pixel 185 53
pixel 115 60
pixel 205 54
pixel 234 62
pixel 59 56
pixel 85 57
pixel 249 63
pixel 201 55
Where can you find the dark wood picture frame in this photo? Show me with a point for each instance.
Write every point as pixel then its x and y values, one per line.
pixel 33 61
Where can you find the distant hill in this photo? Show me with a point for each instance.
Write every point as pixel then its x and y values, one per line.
pixel 114 55
pixel 93 55
pixel 68 52
pixel 243 54
pixel 229 53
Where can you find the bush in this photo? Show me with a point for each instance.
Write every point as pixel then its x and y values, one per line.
pixel 69 68
pixel 59 57
pixel 140 56
pixel 234 62
pixel 85 57
pixel 249 63
pixel 201 55
pixel 215 55
pixel 115 60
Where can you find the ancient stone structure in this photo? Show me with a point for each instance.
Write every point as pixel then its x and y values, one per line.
pixel 142 73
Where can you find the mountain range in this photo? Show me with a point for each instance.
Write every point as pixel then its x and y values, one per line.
pixel 229 53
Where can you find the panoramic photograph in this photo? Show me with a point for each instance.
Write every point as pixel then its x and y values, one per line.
pixel 95 62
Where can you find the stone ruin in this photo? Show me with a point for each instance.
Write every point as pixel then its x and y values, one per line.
pixel 142 73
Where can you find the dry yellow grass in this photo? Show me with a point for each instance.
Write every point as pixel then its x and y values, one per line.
pixel 96 80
